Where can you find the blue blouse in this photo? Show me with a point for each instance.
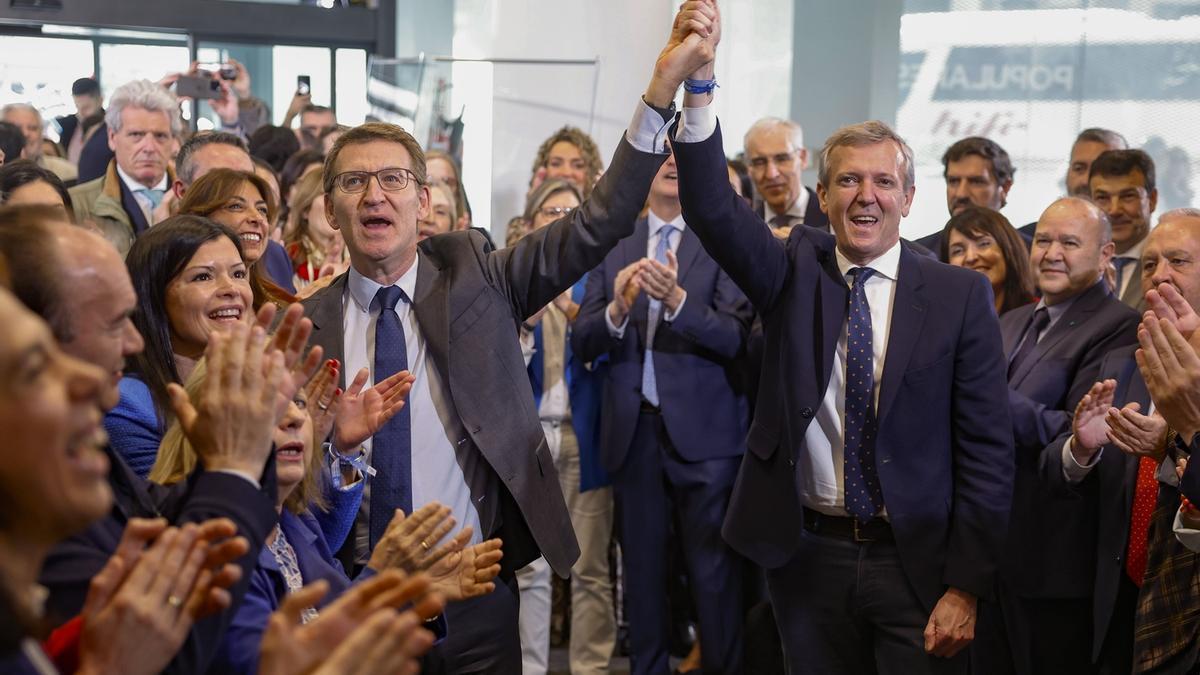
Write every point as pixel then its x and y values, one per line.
pixel 134 430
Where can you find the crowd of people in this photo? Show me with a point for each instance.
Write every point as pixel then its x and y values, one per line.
pixel 277 406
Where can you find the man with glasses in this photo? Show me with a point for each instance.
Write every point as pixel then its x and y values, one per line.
pixel 445 309
pixel 775 155
pixel 1122 183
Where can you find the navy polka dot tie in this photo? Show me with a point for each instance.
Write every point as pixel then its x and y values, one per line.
pixel 864 497
pixel 391 447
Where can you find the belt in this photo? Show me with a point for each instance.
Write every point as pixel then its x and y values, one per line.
pixel 843 527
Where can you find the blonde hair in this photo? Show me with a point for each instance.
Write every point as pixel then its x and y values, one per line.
pixel 177 459
pixel 304 193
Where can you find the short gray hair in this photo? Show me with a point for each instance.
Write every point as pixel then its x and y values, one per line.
pixel 146 95
pixel 20 106
pixel 771 124
pixel 866 133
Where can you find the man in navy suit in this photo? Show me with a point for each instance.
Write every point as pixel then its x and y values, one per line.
pixel 673 424
pixel 878 480
pixel 1054 347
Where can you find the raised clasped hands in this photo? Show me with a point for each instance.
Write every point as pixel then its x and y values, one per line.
pixel 691 48
pixel 1167 303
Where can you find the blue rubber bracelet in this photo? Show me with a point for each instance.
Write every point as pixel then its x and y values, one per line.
pixel 699 86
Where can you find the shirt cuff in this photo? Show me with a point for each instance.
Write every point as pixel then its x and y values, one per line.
pixel 1166 472
pixel 525 337
pixel 616 331
pixel 1073 471
pixel 1188 537
pixel 670 316
pixel 243 475
pixel 696 124
pixel 647 130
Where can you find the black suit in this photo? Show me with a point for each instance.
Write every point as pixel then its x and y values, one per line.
pixel 70 566
pixel 1114 480
pixel 1045 577
pixel 468 302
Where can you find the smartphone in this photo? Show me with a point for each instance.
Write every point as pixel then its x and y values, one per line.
pixel 197 87
pixel 303 85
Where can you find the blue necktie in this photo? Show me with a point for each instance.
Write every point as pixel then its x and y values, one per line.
pixel 649 381
pixel 391 448
pixel 154 195
pixel 864 497
pixel 1122 265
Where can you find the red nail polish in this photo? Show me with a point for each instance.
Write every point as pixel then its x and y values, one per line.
pixel 337 392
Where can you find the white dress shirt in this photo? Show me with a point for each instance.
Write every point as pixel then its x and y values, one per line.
pixel 823 454
pixel 436 472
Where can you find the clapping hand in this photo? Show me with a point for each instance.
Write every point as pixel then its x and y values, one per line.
pixel 625 292
pixel 1089 427
pixel 410 543
pixel 361 414
pixel 142 604
pixel 1171 369
pixel 661 281
pixel 468 573
pixel 1167 303
pixel 1137 434
pixel 230 425
pixel 361 632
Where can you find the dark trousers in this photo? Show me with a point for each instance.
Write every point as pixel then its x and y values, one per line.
pixel 1116 654
pixel 846 608
pixel 482 635
pixel 1033 636
pixel 652 485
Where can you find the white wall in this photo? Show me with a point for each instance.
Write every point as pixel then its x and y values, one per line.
pixel 624 36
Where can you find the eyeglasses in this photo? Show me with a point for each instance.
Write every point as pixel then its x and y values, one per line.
pixel 390 180
pixel 555 211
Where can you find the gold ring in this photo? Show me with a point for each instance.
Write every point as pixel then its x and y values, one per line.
pixel 174 601
pixel 424 545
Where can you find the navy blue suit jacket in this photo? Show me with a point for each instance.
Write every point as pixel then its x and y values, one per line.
pixel 695 356
pixel 1051 536
pixel 944 453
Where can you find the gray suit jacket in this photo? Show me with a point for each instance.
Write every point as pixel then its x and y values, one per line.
pixel 469 302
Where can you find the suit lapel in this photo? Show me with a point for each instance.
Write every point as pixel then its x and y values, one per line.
pixel 328 317
pixel 635 250
pixel 1011 330
pixel 1079 311
pixel 835 296
pixel 689 249
pixel 431 305
pixel 908 318
pixel 1133 291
